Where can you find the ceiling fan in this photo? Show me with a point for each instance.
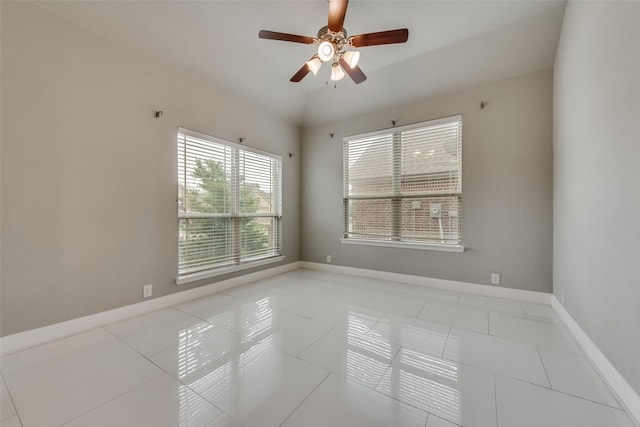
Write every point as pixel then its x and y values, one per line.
pixel 332 42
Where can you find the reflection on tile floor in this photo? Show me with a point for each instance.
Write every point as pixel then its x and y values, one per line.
pixel 309 348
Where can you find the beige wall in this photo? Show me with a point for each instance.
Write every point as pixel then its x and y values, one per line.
pixel 507 184
pixel 89 178
pixel 597 173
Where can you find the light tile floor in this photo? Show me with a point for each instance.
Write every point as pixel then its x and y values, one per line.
pixel 308 348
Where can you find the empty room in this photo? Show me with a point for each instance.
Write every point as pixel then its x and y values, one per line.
pixel 319 213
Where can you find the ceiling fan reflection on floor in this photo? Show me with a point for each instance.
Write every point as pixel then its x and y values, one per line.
pixel 332 42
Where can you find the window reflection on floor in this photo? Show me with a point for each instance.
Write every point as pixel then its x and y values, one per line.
pixel 367 356
pixel 427 382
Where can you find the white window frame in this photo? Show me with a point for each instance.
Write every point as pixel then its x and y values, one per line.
pixel 237 263
pixel 395 241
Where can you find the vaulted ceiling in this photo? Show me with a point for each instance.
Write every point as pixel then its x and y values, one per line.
pixel 452 45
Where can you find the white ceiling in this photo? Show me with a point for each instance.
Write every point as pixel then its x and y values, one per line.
pixel 452 45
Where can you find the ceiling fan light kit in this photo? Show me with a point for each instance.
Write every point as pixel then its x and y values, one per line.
pixel 352 57
pixel 314 64
pixel 336 72
pixel 326 51
pixel 332 40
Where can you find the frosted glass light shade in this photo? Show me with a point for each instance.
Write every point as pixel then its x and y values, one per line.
pixel 352 57
pixel 336 73
pixel 326 51
pixel 314 65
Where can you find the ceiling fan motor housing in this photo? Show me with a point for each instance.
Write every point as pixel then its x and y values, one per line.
pixel 339 39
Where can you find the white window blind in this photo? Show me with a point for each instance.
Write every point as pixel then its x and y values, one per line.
pixel 405 184
pixel 229 203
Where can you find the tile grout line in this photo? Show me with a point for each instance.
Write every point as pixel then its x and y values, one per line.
pixel 172 345
pixel 305 399
pixel 525 342
pixel 497 373
pixel 187 385
pixel 125 392
pixel 567 393
pixel 327 332
pixel 411 405
pixel 417 316
pixel 340 375
pixel 495 396
pixel 558 391
pixel 10 398
pixel 446 341
pixel 590 400
pixel 422 309
pixel 108 401
pixel 75 334
pixel 521 309
pixel 488 323
pixel 544 367
pixel 400 347
pixel 170 375
pixel 468 365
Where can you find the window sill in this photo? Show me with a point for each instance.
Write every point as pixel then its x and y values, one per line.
pixel 188 278
pixel 405 245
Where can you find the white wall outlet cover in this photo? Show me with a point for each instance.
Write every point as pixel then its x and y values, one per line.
pixel 147 291
pixel 495 278
pixel 329 259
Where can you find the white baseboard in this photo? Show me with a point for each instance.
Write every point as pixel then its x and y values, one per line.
pixel 33 337
pixel 619 386
pixel 450 285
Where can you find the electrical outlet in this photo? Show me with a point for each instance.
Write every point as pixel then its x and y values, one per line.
pixel 495 278
pixel 562 297
pixel 147 291
pixel 328 259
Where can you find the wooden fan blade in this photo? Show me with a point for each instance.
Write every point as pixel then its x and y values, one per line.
pixel 337 12
pixel 355 73
pixel 273 35
pixel 302 72
pixel 382 37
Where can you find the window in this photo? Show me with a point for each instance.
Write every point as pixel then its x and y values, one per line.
pixel 403 186
pixel 229 204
